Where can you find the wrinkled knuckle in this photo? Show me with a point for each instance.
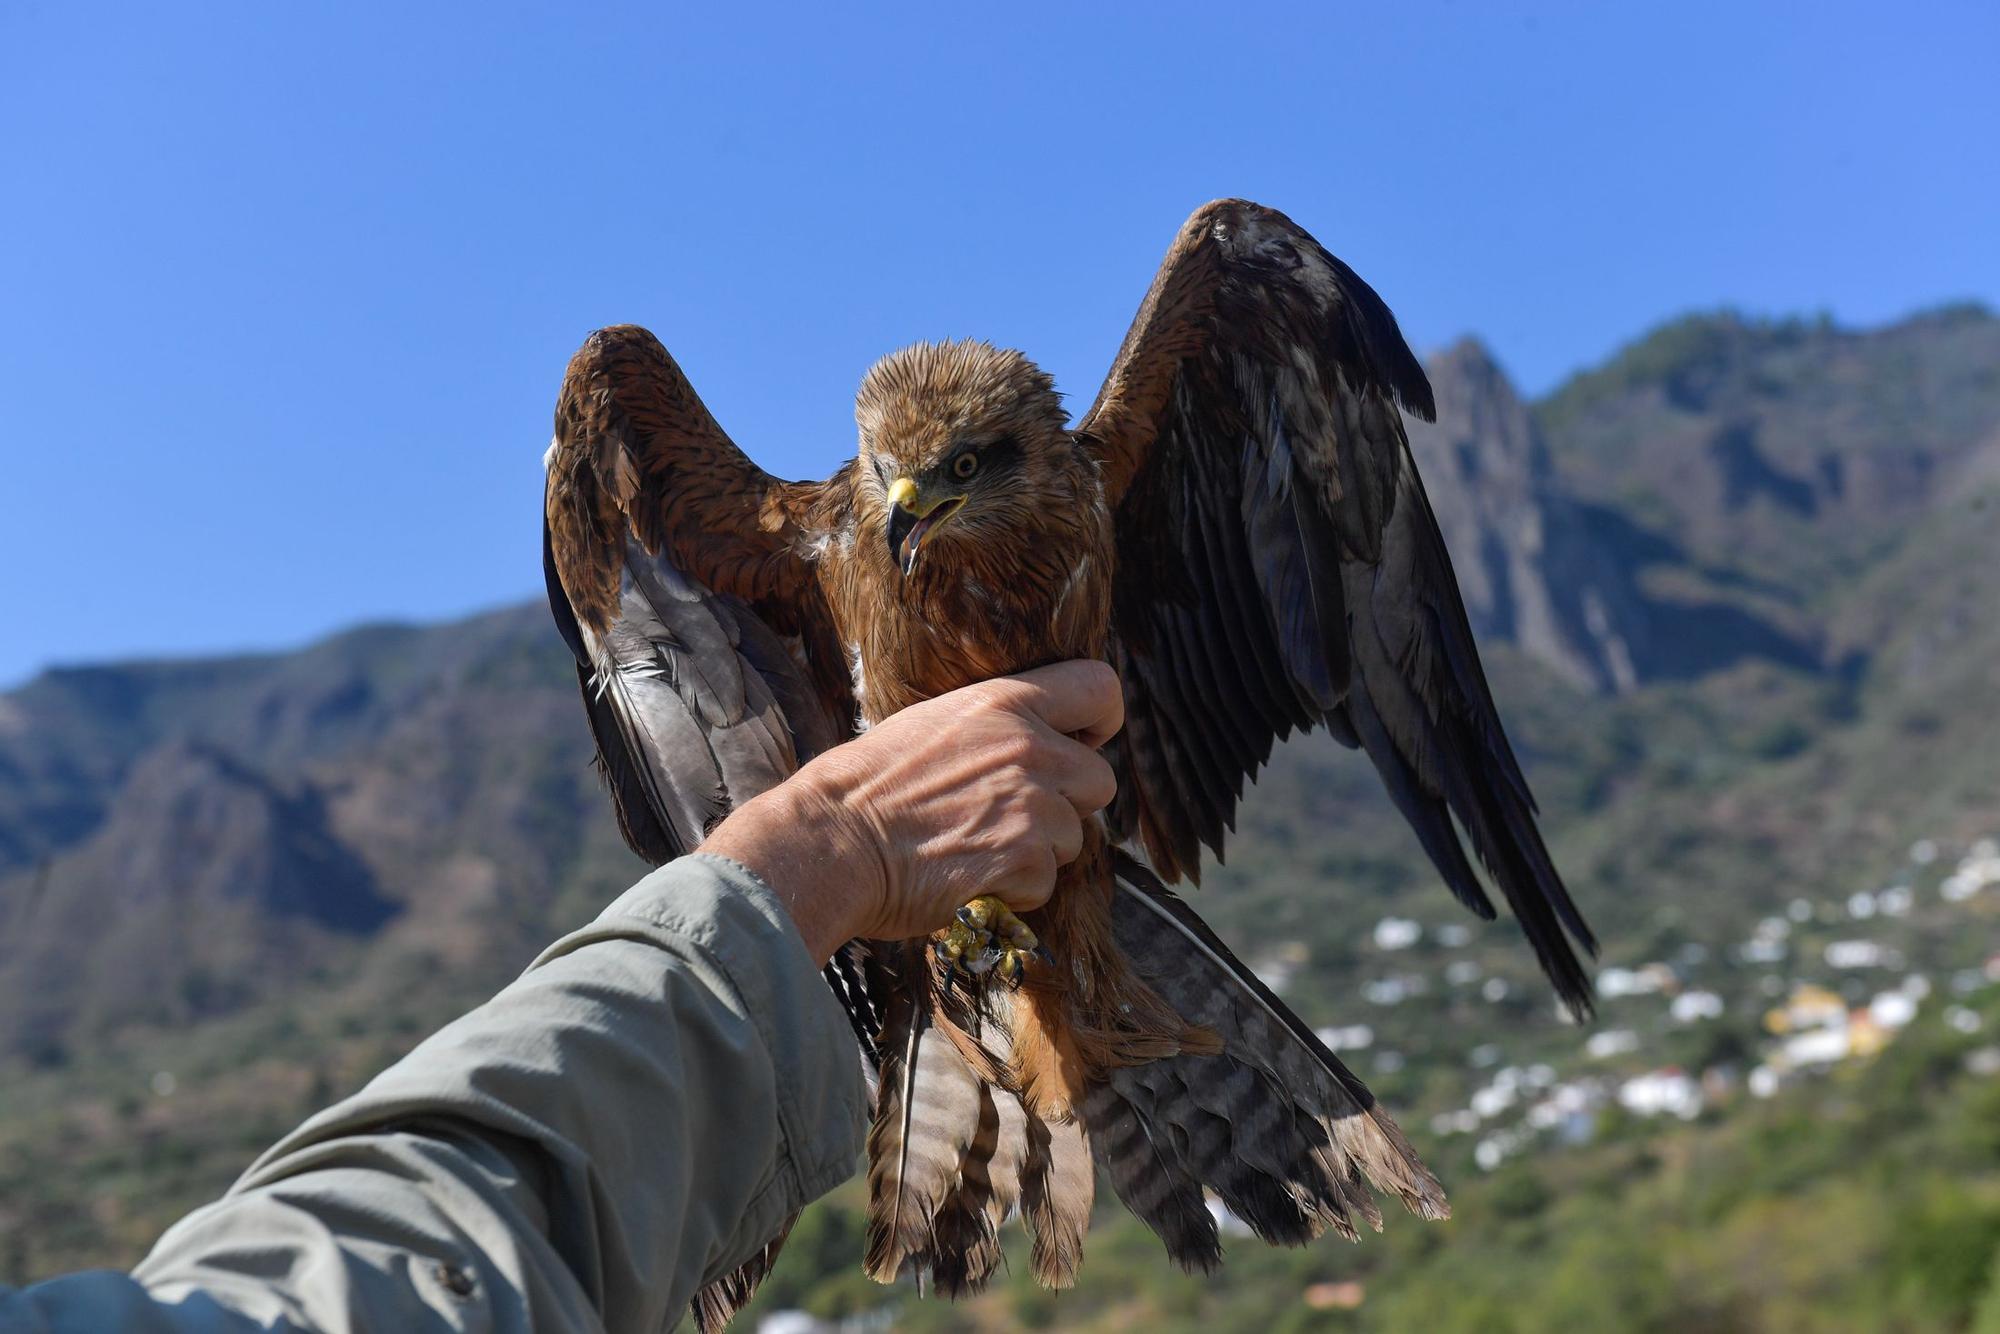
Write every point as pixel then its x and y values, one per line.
pixel 1038 865
pixel 1068 849
pixel 1011 825
pixel 1017 752
pixel 1100 684
pixel 1100 676
pixel 991 696
pixel 1102 784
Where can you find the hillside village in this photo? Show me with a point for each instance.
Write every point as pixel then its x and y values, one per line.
pixel 1821 1009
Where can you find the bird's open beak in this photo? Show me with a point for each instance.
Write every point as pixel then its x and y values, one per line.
pixel 911 521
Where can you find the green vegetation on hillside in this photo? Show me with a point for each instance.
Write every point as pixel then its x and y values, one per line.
pixel 1866 1201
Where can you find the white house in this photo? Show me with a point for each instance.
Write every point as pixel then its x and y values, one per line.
pixel 1662 1092
pixel 1693 1006
pixel 1347 1037
pixel 1855 954
pixel 1397 933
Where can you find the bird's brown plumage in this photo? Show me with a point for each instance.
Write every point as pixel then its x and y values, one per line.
pixel 1237 526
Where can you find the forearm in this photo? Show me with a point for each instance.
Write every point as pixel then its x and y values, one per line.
pixel 631 1118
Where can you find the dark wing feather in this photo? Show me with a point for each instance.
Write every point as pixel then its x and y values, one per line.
pixel 1253 412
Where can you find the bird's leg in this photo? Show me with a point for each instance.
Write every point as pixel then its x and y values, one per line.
pixel 988 938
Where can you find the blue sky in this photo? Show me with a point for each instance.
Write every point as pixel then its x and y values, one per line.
pixel 286 289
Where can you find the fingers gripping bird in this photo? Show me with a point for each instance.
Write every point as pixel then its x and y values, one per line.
pixel 1237 527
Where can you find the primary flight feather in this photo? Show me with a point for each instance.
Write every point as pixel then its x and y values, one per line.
pixel 1237 526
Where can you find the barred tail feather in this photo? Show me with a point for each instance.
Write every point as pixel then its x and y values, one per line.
pixel 926 1114
pixel 1259 1112
pixel 1150 1179
pixel 953 1151
pixel 1057 1191
pixel 1275 1125
pixel 966 1235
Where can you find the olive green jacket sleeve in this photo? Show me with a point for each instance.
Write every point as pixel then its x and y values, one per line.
pixel 632 1117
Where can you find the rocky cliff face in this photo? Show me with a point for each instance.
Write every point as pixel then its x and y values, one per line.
pixel 1781 457
pixel 1711 493
pixel 1530 568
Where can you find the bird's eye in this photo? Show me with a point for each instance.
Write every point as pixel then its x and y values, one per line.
pixel 964 466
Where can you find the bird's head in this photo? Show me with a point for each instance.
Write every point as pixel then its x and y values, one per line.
pixel 961 442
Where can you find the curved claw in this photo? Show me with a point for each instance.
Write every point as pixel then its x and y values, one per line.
pixel 988 938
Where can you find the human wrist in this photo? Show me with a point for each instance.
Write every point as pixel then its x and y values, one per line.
pixel 799 840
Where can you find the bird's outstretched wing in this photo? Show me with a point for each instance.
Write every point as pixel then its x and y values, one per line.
pixel 703 646
pixel 1279 567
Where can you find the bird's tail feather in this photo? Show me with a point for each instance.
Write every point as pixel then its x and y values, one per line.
pixel 1057 1189
pixel 1264 1117
pixel 953 1150
pixel 1275 1125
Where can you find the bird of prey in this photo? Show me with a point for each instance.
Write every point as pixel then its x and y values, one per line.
pixel 1237 527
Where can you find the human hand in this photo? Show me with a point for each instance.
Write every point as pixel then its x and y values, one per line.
pixel 980 791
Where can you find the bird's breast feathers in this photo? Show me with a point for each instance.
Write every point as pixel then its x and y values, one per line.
pixel 970 611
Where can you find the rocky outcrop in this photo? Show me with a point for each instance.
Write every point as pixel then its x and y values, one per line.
pixel 206 885
pixel 1531 568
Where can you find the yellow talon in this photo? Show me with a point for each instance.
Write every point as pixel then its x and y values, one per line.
pixel 959 941
pixel 989 938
